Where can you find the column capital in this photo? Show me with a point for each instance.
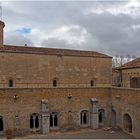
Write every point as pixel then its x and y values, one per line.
pixel 94 101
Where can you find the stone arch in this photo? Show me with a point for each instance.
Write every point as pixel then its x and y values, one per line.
pixel 1 124
pixel 127 122
pixel 54 119
pixel 35 121
pixel 113 118
pixel 101 113
pixel 84 118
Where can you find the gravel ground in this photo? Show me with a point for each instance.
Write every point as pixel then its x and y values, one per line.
pixel 83 134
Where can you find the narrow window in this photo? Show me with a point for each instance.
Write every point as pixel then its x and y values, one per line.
pixel 51 121
pixel 91 83
pixel 54 83
pixel 10 83
pixel 100 117
pixel 31 122
pixel 101 114
pixel 84 117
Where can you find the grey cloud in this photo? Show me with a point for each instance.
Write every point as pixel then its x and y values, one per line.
pixel 112 32
pixel 107 33
pixel 58 43
pixel 54 42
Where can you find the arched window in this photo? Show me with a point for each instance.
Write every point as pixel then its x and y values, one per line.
pixel 84 117
pixel 101 114
pixel 127 123
pixel 34 121
pixel 1 124
pixel 54 83
pixel 10 83
pixel 54 119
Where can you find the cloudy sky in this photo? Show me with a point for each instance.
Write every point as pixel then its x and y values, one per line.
pixel 111 27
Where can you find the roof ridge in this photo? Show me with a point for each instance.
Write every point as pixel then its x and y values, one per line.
pixel 43 50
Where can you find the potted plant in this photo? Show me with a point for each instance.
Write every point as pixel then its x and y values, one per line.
pixel 8 133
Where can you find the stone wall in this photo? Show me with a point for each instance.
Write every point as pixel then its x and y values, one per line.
pixel 39 71
pixel 17 105
pixel 116 78
pixel 28 102
pixel 127 74
pixel 127 101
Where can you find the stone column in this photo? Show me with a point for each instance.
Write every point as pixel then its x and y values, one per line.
pixel 82 115
pixel 34 121
pixel 1 33
pixel 45 123
pixel 94 114
pixel 45 117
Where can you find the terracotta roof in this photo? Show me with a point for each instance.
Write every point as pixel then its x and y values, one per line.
pixel 115 70
pixel 132 64
pixel 50 51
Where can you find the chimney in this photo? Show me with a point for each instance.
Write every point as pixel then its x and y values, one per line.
pixel 2 25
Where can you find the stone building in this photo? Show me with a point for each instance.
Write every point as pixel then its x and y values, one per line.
pixel 127 75
pixel 44 89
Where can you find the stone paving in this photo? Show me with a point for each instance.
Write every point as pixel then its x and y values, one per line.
pixel 83 134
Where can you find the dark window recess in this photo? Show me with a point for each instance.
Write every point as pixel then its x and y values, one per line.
pixel 54 83
pixel 54 119
pixel 92 83
pixel 1 124
pixel 135 82
pixel 101 114
pixel 10 83
pixel 100 117
pixel 31 122
pixel 51 121
pixel 34 121
pixel 84 117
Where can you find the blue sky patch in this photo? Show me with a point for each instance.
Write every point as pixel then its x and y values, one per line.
pixel 24 30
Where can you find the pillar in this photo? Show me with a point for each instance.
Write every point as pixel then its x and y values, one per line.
pixel 2 25
pixel 45 123
pixel 45 117
pixel 94 114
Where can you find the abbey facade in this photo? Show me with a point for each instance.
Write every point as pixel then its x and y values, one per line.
pixel 44 89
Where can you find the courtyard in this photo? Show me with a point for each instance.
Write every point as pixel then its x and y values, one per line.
pixel 101 133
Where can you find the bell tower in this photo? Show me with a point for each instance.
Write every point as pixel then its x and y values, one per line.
pixel 2 25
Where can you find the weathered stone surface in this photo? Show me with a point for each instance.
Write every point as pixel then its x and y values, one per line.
pixel 29 101
pixel 39 71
